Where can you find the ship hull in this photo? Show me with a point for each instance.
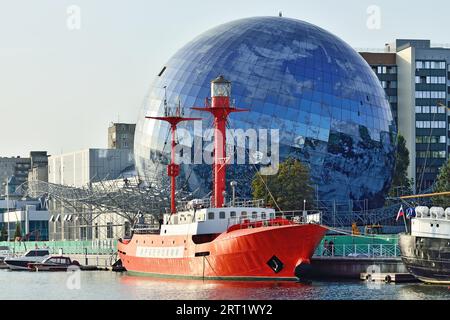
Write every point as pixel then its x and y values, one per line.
pixel 428 259
pixel 267 253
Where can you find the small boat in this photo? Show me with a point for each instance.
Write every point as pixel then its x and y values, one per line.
pixel 55 263
pixel 21 263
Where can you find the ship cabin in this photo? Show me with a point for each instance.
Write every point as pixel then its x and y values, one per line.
pixel 431 222
pixel 198 219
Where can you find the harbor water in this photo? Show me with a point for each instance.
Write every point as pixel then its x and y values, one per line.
pixel 105 285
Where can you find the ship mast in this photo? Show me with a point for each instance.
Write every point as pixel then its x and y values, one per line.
pixel 173 116
pixel 220 109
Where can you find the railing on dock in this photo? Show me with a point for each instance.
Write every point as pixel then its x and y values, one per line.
pixel 92 247
pixel 359 250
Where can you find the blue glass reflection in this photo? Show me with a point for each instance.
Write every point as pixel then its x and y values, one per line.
pixel 294 77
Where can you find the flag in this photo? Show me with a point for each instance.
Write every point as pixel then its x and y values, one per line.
pixel 410 213
pixel 400 213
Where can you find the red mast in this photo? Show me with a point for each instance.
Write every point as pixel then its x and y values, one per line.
pixel 220 109
pixel 173 169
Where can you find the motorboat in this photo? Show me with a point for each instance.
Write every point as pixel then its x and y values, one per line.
pixel 54 263
pixel 31 256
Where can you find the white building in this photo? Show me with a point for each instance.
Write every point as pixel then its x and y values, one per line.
pixel 80 168
pixel 30 214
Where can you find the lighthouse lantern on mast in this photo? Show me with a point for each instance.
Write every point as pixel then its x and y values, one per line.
pixel 220 87
pixel 220 109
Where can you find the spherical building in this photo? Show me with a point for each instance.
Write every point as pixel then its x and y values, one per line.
pixel 326 102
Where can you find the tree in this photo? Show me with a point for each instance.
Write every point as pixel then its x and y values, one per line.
pixel 18 233
pixel 400 179
pixel 4 233
pixel 289 187
pixel 443 185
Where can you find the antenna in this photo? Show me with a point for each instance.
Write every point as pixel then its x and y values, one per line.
pixel 166 110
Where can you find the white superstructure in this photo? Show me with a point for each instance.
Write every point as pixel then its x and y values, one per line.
pixel 431 222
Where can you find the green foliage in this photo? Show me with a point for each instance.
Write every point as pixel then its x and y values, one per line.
pixel 401 185
pixel 290 186
pixel 4 233
pixel 18 233
pixel 443 185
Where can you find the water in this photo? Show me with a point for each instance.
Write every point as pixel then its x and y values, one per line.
pixel 105 285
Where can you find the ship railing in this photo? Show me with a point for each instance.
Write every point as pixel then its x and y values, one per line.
pixel 358 250
pixel 146 228
pixel 246 203
pixel 206 203
pixel 260 219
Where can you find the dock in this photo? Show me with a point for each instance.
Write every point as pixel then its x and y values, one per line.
pixel 328 267
pixel 388 277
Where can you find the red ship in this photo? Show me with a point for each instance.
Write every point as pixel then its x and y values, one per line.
pixel 216 241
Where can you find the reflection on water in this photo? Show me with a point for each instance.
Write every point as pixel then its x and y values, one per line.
pixel 109 285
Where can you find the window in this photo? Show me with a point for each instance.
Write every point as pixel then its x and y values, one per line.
pixel 222 215
pixel 254 215
pixel 392 70
pixel 96 231
pixel 210 215
pixel 263 215
pixel 419 65
pixel 232 214
pixel 109 230
pixel 244 214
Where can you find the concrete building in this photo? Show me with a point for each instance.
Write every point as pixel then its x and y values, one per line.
pixel 17 167
pixel 419 97
pixel 121 136
pixel 82 169
pixel 20 168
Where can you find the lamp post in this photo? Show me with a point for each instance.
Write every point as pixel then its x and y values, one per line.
pixel 7 203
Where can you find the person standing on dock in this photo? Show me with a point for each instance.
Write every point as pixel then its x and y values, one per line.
pixel 331 248
pixel 325 251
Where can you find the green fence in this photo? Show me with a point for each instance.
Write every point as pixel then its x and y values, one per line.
pixel 372 246
pixel 365 239
pixel 106 247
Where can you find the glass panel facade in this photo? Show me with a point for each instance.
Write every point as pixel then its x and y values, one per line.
pixel 326 102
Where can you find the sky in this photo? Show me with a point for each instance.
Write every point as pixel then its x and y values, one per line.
pixel 70 68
